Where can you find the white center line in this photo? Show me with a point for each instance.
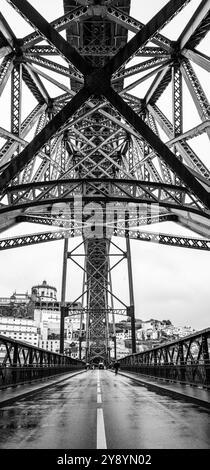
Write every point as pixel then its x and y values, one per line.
pixel 101 436
pixel 99 399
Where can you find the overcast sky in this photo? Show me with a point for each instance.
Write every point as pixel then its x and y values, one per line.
pixel 170 283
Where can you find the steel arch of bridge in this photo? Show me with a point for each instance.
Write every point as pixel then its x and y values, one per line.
pixel 98 140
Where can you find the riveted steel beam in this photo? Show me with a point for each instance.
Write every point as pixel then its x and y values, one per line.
pixel 59 24
pixel 47 31
pixel 7 32
pixel 198 16
pixel 18 163
pixel 196 90
pixel 143 36
pixel 164 153
pixel 198 58
pixel 121 18
pixel 5 71
pixel 179 241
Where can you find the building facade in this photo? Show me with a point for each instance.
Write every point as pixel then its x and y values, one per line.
pixel 20 329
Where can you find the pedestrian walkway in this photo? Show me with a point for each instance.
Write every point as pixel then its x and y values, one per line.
pixel 10 394
pixel 195 394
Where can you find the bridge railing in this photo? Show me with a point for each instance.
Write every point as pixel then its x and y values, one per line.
pixel 186 360
pixel 21 362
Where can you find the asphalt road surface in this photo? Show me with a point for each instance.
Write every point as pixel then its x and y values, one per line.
pixel 97 409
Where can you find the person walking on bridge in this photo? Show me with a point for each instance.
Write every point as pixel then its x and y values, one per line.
pixel 116 367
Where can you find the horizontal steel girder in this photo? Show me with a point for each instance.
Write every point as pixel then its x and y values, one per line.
pixel 102 191
pixel 152 237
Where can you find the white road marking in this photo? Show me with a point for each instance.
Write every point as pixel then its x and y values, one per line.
pixel 101 436
pixel 98 386
pixel 99 399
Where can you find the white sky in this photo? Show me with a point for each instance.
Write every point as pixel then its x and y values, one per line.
pixel 169 283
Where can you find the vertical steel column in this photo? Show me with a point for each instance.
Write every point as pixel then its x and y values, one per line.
pixel 182 363
pixel 30 363
pixel 131 295
pixel 81 318
pixel 97 251
pixel 16 105
pixel 177 101
pixel 63 295
pixel 177 108
pixel 16 95
pixel 206 358
pixel 14 363
pixel 113 317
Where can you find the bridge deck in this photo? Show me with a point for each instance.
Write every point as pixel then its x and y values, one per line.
pixel 97 409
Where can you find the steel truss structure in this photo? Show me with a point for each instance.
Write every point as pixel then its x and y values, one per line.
pixel 96 147
pixel 22 362
pixel 152 237
pixel 186 360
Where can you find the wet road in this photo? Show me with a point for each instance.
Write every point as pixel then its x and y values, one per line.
pixel 100 410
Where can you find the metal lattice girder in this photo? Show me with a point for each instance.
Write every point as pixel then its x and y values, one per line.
pixel 35 85
pixel 97 51
pixel 143 36
pixel 28 171
pixel 185 150
pixel 165 67
pixel 152 237
pixel 5 71
pixel 142 219
pixel 11 145
pixel 177 101
pixel 16 99
pixel 191 133
pixel 196 91
pixel 50 79
pixel 133 25
pixel 7 32
pixel 159 147
pixel 166 175
pixel 97 301
pixel 59 25
pixel 200 33
pixel 158 85
pixel 192 26
pixel 135 69
pixel 51 34
pixel 101 190
pixel 196 56
pixel 53 66
pixel 177 104
pixel 18 163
